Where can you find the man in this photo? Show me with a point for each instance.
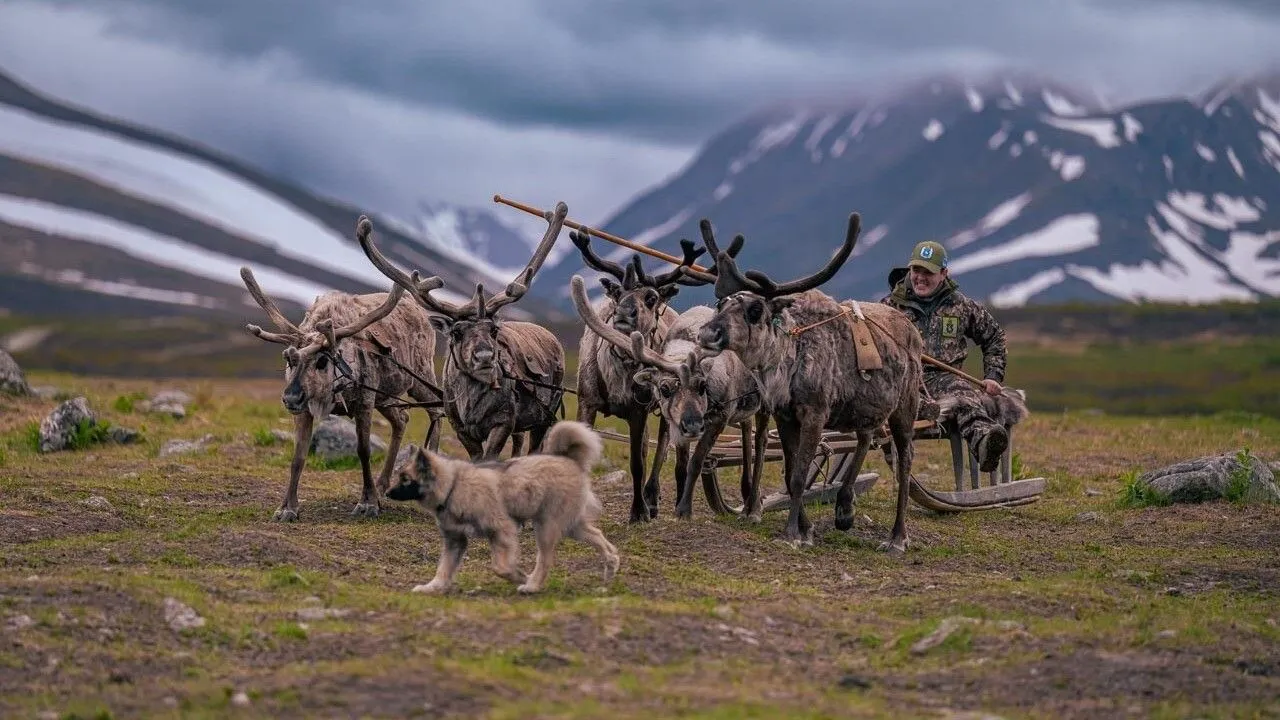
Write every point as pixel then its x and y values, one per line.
pixel 946 319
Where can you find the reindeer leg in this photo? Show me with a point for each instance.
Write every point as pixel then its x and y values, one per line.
pixel 496 441
pixel 368 505
pixel 748 472
pixel 710 483
pixel 536 436
pixel 398 418
pixel 432 440
pixel 639 435
pixel 844 498
pixel 900 424
pixel 652 488
pixel 302 427
pixel 517 444
pixel 681 471
pixel 801 435
pixel 755 511
pixel 474 447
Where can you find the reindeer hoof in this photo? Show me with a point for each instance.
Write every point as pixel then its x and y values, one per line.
pixel 843 520
pixel 640 514
pixel 285 515
pixel 366 510
pixel 528 589
pixel 430 588
pixel 894 547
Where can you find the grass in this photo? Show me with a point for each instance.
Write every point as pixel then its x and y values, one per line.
pixel 1143 608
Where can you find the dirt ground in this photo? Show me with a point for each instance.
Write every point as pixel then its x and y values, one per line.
pixel 1075 606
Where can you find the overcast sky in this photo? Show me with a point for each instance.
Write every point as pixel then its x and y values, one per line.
pixel 385 102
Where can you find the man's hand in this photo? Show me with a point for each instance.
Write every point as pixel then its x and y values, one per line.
pixel 991 386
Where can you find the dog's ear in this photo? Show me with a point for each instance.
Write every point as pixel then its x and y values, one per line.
pixel 422 464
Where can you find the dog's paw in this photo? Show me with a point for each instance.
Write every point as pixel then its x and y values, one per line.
pixel 611 568
pixel 430 588
pixel 285 515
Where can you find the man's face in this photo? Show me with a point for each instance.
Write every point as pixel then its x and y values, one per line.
pixel 924 282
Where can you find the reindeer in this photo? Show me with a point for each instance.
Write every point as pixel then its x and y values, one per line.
pixel 698 397
pixel 351 355
pixel 800 344
pixel 502 378
pixel 634 302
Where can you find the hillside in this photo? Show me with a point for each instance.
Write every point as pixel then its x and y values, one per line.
pixel 1041 192
pixel 103 218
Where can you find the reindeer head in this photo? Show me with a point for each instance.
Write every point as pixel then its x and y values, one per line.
pixel 312 382
pixel 639 299
pixel 750 306
pixel 471 329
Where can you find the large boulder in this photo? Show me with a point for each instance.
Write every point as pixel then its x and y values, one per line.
pixel 1213 477
pixel 335 438
pixel 59 427
pixel 12 380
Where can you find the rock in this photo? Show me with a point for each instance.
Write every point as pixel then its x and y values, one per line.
pixel 180 616
pixel 12 379
pixel 18 622
pixel 124 435
pixel 97 502
pixel 1089 517
pixel 59 426
pixel 240 699
pixel 614 477
pixel 320 613
pixel 1091 492
pixel 1209 477
pixel 45 392
pixel 946 629
pixel 335 438
pixel 281 436
pixel 167 402
pixel 176 447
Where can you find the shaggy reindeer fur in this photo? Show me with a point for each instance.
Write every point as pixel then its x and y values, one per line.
pixel 1007 409
pixel 363 333
pixel 501 377
pixel 634 302
pixel 492 500
pixel 698 399
pixel 799 341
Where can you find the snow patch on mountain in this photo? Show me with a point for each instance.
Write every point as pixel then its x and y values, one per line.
pixel 1225 214
pixel 933 130
pixel 1244 258
pixel 1102 130
pixel 1270 107
pixel 78 279
pixel 1205 153
pixel 974 98
pixel 647 236
pixel 146 245
pixel 1059 105
pixel 1069 167
pixel 1019 293
pixel 1235 162
pixel 1001 215
pixel 1132 128
pixel 1065 235
pixel 194 187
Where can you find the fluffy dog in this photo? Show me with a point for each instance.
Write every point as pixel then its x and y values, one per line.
pixel 552 490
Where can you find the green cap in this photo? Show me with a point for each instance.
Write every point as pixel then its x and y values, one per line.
pixel 929 255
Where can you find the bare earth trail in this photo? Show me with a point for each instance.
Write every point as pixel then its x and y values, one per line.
pixel 1070 607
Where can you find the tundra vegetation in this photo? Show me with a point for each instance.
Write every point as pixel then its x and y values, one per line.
pixel 1079 605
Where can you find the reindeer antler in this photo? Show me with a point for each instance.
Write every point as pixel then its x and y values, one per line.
pixel 288 329
pixel 729 279
pixel 691 254
pixel 714 277
pixel 420 288
pixel 520 285
pixel 582 241
pixel 643 354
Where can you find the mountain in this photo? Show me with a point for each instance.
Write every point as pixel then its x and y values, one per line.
pixel 1041 192
pixel 103 218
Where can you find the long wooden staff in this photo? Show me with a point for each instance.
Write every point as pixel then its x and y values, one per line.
pixel 676 261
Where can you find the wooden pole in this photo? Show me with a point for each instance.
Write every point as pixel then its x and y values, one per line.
pixel 599 233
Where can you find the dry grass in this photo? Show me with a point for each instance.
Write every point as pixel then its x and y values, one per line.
pixel 1152 612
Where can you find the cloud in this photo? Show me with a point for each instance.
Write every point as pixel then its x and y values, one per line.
pixel 567 99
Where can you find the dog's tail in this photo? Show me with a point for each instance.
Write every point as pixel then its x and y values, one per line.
pixel 576 441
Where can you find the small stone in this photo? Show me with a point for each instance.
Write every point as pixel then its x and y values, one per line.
pixel 1173 591
pixel 97 502
pixel 176 447
pixel 181 616
pixel 170 701
pixel 945 629
pixel 240 699
pixel 59 427
pixel 854 682
pixel 1166 634
pixel 18 622
pixel 318 613
pixel 723 611
pixel 616 476
pixel 124 435
pixel 1091 492
pixel 281 436
pixel 1090 516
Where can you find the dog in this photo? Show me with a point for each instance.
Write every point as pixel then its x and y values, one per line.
pixel 551 490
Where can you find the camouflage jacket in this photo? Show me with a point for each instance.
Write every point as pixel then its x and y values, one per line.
pixel 946 320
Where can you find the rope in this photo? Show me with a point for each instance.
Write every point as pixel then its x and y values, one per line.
pixel 795 331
